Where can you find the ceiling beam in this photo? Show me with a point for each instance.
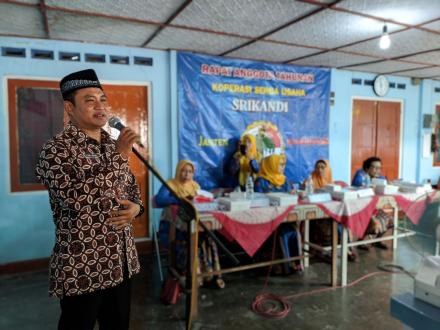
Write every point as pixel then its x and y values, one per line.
pixel 322 6
pixel 400 58
pixel 414 69
pixel 44 17
pixel 283 26
pixel 168 21
pixel 18 3
pixel 343 46
pixel 377 18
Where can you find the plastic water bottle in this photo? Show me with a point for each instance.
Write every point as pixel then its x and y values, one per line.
pixel 249 187
pixel 367 181
pixel 309 186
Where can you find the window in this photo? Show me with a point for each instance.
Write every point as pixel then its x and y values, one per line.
pixel 95 58
pixel 119 59
pixel 35 115
pixel 66 56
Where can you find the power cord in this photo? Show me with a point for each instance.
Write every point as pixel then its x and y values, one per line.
pixel 275 306
pixel 396 269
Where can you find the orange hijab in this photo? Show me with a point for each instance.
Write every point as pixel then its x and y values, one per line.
pixel 245 168
pixel 269 170
pixel 320 181
pixel 184 189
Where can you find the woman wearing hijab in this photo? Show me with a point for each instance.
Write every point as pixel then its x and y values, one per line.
pixel 183 184
pixel 185 187
pixel 322 174
pixel 245 161
pixel 271 178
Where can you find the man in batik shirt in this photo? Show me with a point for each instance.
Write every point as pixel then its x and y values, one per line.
pixel 94 199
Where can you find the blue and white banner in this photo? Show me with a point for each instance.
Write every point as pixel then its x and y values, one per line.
pixel 285 107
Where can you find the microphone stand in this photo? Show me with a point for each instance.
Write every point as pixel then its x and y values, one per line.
pixel 191 214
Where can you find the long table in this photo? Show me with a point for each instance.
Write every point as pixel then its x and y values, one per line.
pixel 301 213
pixel 309 212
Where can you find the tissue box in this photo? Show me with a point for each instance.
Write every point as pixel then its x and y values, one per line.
pixel 412 189
pixel 408 187
pixel 204 207
pixel 343 195
pixel 204 193
pixel 386 189
pixel 260 200
pixel 379 182
pixel 228 204
pixel 319 198
pixel 282 199
pixel 365 192
pixel 332 187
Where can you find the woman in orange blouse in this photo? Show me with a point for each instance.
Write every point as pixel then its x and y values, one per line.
pixel 322 174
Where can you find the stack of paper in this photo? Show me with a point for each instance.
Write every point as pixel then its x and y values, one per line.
pixel 282 199
pixel 228 204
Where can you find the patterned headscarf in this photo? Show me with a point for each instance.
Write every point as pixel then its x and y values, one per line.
pixel 245 167
pixel 269 170
pixel 319 181
pixel 184 189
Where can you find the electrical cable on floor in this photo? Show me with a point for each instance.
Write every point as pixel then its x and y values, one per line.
pixel 275 306
pixel 400 269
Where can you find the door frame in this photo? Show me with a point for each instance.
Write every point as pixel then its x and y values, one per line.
pixel 147 84
pixel 372 98
pixel 434 113
pixel 149 145
pixel 4 93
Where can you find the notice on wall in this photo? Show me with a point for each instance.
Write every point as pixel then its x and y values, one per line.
pixel 426 145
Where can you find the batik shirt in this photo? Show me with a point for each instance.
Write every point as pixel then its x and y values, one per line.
pixel 84 178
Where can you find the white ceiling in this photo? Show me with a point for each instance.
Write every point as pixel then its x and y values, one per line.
pixel 328 33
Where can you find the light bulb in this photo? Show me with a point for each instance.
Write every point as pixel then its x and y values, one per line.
pixel 385 41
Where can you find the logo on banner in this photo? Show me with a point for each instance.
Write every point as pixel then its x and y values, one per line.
pixel 267 136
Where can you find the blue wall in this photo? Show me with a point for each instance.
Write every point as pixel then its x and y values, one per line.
pixel 416 100
pixel 26 229
pixel 428 100
pixel 341 114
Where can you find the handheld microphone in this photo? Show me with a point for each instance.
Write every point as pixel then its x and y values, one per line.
pixel 115 122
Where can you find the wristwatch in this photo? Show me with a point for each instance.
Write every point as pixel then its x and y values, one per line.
pixel 141 210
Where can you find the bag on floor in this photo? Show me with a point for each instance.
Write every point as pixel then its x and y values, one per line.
pixel 171 290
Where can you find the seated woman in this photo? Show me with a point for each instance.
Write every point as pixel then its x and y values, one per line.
pixel 171 230
pixel 183 184
pixel 381 222
pixel 245 161
pixel 271 178
pixel 322 174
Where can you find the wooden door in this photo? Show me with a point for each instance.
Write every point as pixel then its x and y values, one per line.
pixel 363 133
pixel 388 138
pixel 376 132
pixel 130 104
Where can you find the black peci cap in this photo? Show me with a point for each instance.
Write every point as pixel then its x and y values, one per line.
pixel 78 80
